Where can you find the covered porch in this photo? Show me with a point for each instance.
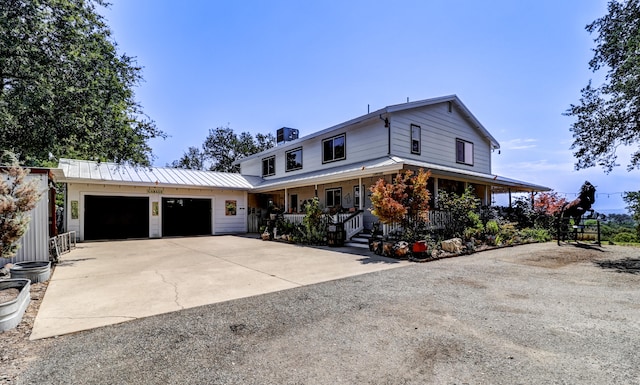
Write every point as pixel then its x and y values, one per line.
pixel 344 193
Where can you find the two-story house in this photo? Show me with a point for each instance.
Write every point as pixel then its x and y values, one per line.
pixel 340 163
pixel 337 165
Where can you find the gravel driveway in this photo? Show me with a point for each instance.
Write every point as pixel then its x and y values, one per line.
pixel 534 314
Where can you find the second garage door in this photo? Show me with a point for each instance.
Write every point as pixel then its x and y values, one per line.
pixel 186 216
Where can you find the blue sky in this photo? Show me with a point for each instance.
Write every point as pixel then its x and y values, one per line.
pixel 261 65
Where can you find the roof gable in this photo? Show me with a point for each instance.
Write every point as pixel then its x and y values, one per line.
pixel 475 123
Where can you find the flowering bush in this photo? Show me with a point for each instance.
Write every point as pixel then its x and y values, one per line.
pixel 404 201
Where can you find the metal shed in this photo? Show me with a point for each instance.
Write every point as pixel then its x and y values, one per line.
pixel 34 245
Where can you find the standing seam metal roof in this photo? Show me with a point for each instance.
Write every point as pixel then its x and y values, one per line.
pixel 88 171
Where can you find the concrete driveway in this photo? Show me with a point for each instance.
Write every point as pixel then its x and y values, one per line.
pixel 104 283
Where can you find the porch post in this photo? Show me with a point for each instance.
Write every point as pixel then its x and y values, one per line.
pixel 361 193
pixel 286 200
pixel 435 192
pixel 509 196
pixel 487 202
pixel 533 194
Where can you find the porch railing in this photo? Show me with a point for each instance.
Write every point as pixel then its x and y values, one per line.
pixel 297 218
pixel 353 222
pixel 438 220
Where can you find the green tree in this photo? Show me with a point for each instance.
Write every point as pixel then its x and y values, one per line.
pixel 632 199
pixel 222 148
pixel 17 198
pixel 64 89
pixel 607 116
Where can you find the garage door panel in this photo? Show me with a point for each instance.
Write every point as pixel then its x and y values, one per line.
pixel 116 217
pixel 186 216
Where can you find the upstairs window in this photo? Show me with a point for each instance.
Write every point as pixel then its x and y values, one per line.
pixel 464 152
pixel 333 149
pixel 415 139
pixel 269 166
pixel 294 159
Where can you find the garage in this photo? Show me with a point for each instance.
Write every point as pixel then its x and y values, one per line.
pixel 115 217
pixel 186 216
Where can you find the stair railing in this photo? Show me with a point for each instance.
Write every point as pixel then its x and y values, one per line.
pixel 353 224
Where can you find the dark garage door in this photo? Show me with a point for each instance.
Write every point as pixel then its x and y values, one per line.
pixel 115 217
pixel 186 216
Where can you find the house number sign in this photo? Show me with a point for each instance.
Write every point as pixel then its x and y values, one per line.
pixel 155 190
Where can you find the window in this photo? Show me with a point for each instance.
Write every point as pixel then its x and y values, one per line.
pixel 294 159
pixel 269 166
pixel 332 197
pixel 356 195
pixel 333 149
pixel 415 139
pixel 464 152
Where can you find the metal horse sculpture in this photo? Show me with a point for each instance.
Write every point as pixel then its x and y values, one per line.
pixel 578 207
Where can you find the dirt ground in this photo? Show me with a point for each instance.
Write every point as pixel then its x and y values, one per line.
pixel 17 353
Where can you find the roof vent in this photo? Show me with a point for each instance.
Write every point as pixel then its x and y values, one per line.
pixel 286 134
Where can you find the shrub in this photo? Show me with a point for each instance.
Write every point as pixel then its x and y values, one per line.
pixel 625 237
pixel 475 228
pixel 492 227
pixel 459 207
pixel 536 234
pixel 314 227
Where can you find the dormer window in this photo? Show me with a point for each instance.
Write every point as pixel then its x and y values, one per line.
pixel 269 166
pixel 334 149
pixel 415 139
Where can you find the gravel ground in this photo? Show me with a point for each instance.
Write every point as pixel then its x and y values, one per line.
pixel 533 314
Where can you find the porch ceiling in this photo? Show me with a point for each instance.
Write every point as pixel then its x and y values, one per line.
pixel 499 184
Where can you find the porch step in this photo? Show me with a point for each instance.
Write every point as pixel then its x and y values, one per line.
pixel 360 240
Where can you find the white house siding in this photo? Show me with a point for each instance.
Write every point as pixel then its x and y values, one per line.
pixel 252 166
pixel 221 223
pixel 364 141
pixel 440 129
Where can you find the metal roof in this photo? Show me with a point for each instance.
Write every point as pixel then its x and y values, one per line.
pixel 73 170
pixel 329 175
pixel 70 170
pixel 391 164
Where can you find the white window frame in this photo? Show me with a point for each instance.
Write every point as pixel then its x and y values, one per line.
pixel 416 142
pixel 286 160
pixel 332 139
pixel 333 192
pixel 273 166
pixel 464 154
